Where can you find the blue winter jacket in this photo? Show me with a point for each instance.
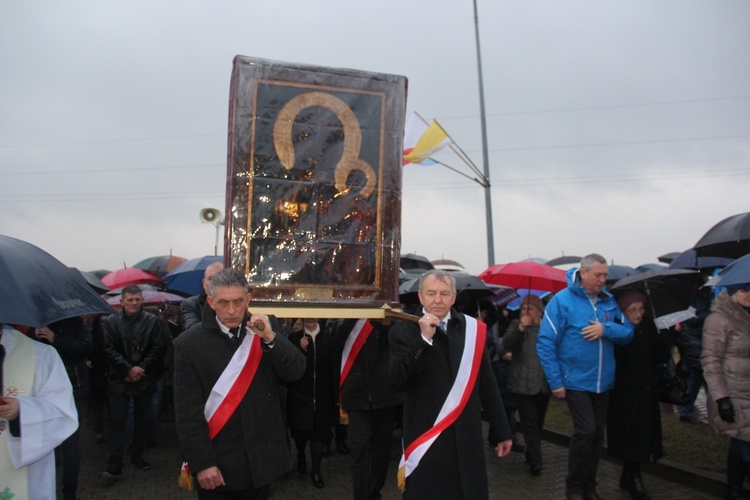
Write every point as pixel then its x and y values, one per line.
pixel 567 358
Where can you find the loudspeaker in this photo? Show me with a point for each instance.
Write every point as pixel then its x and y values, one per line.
pixel 210 215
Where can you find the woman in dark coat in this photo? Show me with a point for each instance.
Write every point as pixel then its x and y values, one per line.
pixel 634 419
pixel 311 401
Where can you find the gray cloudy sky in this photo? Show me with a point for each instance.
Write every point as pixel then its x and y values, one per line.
pixel 621 128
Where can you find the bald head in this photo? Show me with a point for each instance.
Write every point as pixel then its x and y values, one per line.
pixel 209 273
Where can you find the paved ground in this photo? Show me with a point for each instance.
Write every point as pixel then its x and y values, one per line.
pixel 508 477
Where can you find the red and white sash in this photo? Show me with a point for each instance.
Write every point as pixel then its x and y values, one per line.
pixel 354 343
pixel 233 383
pixel 468 370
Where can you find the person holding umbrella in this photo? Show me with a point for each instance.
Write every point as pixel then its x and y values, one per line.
pixel 526 379
pixel 726 368
pixel 634 418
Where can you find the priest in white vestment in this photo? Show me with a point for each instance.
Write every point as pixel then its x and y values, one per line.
pixel 37 413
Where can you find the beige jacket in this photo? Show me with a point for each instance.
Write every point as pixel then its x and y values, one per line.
pixel 726 364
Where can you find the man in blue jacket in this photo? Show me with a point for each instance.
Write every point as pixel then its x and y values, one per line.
pixel 576 341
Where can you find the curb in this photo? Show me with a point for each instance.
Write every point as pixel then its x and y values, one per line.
pixel 703 481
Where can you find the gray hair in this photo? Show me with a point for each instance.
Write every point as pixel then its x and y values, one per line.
pixel 439 275
pixel 226 278
pixel 590 259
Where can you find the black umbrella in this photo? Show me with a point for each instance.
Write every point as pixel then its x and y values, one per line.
pixel 564 260
pixel 467 285
pixel 689 260
pixel 667 258
pixel 669 290
pixel 36 289
pixel 92 280
pixel 729 238
pixel 413 262
pixel 617 272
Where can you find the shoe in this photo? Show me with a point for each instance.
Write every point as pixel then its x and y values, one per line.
pixel 570 495
pixel 517 447
pixel 633 483
pixel 536 469
pixel 689 419
pixel 317 480
pixel 140 463
pixel 301 465
pixel 342 448
pixel 111 475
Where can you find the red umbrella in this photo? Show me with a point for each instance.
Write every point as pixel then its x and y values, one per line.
pixel 150 298
pixel 128 276
pixel 160 265
pixel 525 275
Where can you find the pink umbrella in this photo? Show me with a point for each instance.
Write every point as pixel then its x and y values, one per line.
pixel 128 276
pixel 525 275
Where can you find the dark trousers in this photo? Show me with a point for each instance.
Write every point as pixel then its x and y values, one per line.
pixel 694 383
pixel 370 434
pixel 118 409
pixel 589 413
pixel 532 410
pixel 248 494
pixel 70 449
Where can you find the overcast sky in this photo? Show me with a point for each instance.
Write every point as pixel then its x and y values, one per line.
pixel 621 128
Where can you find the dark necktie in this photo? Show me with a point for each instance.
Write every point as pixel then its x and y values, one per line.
pixel 235 335
pixel 2 361
pixel 442 327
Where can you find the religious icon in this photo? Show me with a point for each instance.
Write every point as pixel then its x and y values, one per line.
pixel 314 182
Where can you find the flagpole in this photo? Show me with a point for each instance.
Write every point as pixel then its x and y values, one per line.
pixel 487 195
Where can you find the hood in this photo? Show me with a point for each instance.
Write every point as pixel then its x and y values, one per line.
pixel 572 276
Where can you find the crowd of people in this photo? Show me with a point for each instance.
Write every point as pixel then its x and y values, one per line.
pixel 247 391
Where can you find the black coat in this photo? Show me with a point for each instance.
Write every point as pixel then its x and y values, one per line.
pixel 251 450
pixel 74 344
pixel 311 400
pixel 634 418
pixel 133 341
pixel 368 386
pixel 454 467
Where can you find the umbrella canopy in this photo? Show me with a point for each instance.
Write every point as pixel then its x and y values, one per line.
pixel 729 238
pixel 527 275
pixel 150 298
pixel 669 290
pixel 516 303
pixel 448 265
pixel 93 281
pixel 100 273
pixel 160 265
pixel 734 275
pixel 617 272
pixel 464 282
pixel 564 260
pixel 128 276
pixel 412 262
pixel 667 258
pixel 36 289
pixel 186 278
pixel 689 260
pixel 650 267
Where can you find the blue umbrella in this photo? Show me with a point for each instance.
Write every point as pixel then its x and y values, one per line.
pixel 516 303
pixel 617 272
pixel 36 289
pixel 186 278
pixel 735 275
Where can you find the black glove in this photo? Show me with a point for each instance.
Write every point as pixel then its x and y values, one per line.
pixel 726 410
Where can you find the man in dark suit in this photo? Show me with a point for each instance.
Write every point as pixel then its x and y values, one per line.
pixel 235 445
pixel 444 355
